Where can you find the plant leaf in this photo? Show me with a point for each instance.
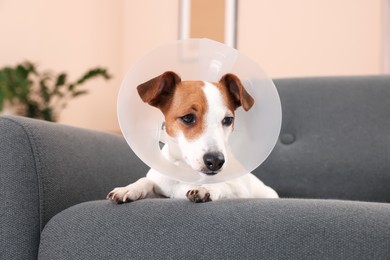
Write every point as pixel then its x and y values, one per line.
pixel 61 79
pixel 44 90
pixel 92 74
pixel 47 114
pixel 30 67
pixel 79 93
pixel 22 72
pixel 2 98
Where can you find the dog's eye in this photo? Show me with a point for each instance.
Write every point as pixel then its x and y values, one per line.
pixel 188 119
pixel 228 121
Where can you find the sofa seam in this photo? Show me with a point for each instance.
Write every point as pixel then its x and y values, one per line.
pixel 37 162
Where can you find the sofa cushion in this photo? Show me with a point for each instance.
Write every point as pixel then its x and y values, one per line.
pixel 229 229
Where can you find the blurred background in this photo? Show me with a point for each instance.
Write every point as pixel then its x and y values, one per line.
pixel 296 38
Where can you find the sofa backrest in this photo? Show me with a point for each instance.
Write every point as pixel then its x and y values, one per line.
pixel 335 139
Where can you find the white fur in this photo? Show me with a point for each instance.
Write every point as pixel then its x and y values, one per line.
pixel 215 136
pixel 213 139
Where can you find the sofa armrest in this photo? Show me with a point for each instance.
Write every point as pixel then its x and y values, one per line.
pixel 229 229
pixel 46 168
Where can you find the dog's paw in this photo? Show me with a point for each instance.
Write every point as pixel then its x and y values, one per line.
pixel 199 194
pixel 125 194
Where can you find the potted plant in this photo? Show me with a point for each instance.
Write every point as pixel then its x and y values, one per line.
pixel 38 94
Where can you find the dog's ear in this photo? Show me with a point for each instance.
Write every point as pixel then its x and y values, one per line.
pixel 157 91
pixel 237 91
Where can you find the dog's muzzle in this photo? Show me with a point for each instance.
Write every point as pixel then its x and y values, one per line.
pixel 213 162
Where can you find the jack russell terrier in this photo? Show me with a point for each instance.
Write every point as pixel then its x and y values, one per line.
pixel 199 116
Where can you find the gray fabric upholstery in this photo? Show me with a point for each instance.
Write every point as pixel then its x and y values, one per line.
pixel 334 141
pixel 334 144
pixel 233 229
pixel 46 168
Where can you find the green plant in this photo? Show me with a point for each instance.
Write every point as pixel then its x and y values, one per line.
pixel 44 94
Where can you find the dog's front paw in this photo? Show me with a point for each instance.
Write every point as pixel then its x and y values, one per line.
pixel 199 194
pixel 125 194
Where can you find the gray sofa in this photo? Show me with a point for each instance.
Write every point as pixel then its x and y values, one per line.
pixel 331 166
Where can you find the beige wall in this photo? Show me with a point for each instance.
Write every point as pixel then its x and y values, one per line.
pixel 312 37
pixel 288 38
pixel 72 36
pixel 147 25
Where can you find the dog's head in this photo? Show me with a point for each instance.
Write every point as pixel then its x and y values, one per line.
pixel 199 116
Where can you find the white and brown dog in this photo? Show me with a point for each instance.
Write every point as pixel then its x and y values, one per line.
pixel 199 116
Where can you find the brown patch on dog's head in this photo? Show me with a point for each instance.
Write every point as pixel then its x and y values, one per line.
pixel 176 99
pixel 158 91
pixel 236 94
pixel 189 100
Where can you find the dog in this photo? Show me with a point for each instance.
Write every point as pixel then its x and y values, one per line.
pixel 199 117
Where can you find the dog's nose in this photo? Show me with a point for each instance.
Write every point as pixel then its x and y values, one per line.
pixel 214 161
